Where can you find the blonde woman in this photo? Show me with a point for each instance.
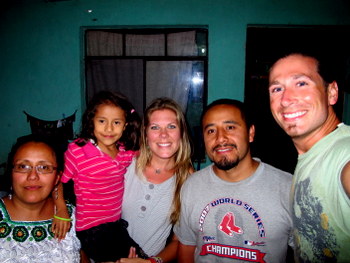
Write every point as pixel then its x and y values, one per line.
pixel 151 202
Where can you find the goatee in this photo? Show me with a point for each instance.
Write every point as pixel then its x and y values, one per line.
pixel 226 164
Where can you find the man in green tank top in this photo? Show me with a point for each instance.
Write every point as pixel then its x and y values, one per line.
pixel 301 100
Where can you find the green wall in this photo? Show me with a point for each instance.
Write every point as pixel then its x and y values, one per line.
pixel 40 46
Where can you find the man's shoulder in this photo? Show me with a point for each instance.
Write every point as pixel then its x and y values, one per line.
pixel 276 172
pixel 341 134
pixel 344 135
pixel 340 142
pixel 344 127
pixel 197 182
pixel 199 175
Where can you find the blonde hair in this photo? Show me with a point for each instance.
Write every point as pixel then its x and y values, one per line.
pixel 183 164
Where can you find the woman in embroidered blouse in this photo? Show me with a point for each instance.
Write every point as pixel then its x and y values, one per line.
pixel 151 202
pixel 26 214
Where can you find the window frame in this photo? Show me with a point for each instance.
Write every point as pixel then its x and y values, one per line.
pixel 198 149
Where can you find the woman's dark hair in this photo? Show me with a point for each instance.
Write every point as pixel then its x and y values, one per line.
pixel 131 134
pixel 50 142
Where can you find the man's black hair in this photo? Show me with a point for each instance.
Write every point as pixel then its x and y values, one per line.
pixel 235 103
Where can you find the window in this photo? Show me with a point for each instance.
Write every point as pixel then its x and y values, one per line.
pixel 144 64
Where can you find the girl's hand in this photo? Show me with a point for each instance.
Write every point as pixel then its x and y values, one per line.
pixel 132 253
pixel 61 227
pixel 133 258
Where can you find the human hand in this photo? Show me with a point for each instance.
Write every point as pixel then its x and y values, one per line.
pixel 133 258
pixel 61 224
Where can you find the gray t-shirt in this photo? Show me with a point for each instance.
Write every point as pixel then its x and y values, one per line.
pixel 237 221
pixel 146 207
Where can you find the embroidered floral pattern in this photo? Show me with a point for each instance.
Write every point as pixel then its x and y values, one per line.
pixel 39 233
pixel 49 229
pixel 33 241
pixel 5 229
pixel 20 233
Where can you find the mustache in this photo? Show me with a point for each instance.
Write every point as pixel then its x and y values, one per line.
pixel 225 145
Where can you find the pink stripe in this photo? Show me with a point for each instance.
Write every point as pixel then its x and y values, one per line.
pixel 98 183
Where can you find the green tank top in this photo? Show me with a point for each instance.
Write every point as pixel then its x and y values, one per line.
pixel 321 208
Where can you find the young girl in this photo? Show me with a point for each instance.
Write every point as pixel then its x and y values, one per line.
pixel 97 162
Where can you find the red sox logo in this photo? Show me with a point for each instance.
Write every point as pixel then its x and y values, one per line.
pixel 228 225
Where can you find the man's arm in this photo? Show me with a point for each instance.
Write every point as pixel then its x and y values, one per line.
pixel 185 253
pixel 345 178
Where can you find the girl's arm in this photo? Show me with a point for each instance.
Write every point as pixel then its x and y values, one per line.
pixel 61 221
pixel 186 253
pixel 83 257
pixel 169 253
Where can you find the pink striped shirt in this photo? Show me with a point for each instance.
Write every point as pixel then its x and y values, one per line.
pixel 98 183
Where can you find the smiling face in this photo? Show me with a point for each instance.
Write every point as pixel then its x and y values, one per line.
pixel 109 124
pixel 33 187
pixel 163 134
pixel 226 136
pixel 299 100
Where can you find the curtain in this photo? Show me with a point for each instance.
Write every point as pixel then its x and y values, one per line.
pixel 182 44
pixel 170 79
pixel 145 45
pixel 100 43
pixel 121 75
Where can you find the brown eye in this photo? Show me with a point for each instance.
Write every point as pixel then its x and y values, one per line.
pixel 22 168
pixel 45 169
pixel 210 131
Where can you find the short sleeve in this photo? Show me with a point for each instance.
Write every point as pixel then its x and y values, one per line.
pixel 70 164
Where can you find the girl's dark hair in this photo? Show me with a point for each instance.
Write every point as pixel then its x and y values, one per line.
pixel 131 134
pixel 50 142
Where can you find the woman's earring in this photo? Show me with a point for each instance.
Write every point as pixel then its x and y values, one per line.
pixel 10 193
pixel 56 192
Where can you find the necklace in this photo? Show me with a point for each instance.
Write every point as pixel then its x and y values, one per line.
pixel 159 170
pixel 157 175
